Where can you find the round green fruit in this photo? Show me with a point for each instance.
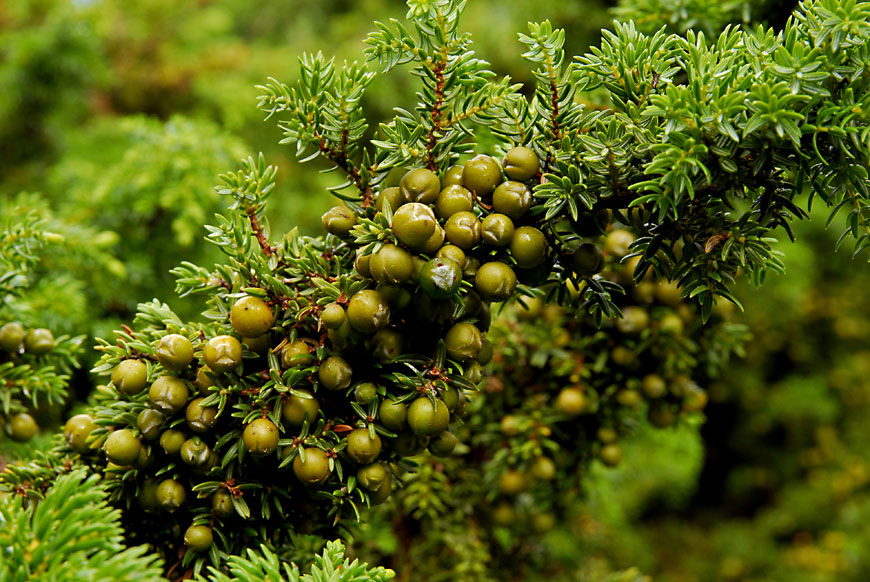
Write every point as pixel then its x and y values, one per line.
pixel 339 220
pixel 12 336
pixel 391 265
pixel 194 452
pixel 391 197
pixel 440 278
pixel 171 441
pixel 364 392
pixel 168 394
pixel 198 538
pixel 39 341
pixel 386 345
pixel 618 241
pixel 521 163
pixel 495 281
pixel 382 493
pixel 368 311
pixel 170 495
pixel 414 224
pixel 481 174
pixel 122 447
pixel 147 496
pixel 571 401
pixel 453 176
pixel 634 320
pixel 333 316
pixel 543 468
pixel 513 482
pixel 251 316
pixel 22 427
pixel 587 259
pixel 261 437
pixel 174 351
pixel 463 230
pixel 528 247
pixel 361 447
pixel 222 503
pixel 452 252
pixel 200 418
pixel 130 376
pixel 443 445
pixel 223 353
pixel 653 386
pixel 464 341
pixel 204 379
pixel 420 185
pixel 393 415
pixel 435 242
pixel 453 199
pixel 373 476
pixel 611 455
pixel 149 423
pixel 513 199
pixel 297 353
pixel 314 470
pixel 497 230
pixel 428 419
pixel 296 408
pixel 76 432
pixel 335 373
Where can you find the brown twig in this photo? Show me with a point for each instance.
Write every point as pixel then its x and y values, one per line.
pixel 268 249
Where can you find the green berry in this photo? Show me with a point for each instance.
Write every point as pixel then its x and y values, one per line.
pixel 373 476
pixel 368 311
pixel 12 336
pixel 427 419
pixel 440 278
pixel 481 174
pixel 386 345
pixel 543 468
pixel 147 496
pixel 168 394
pixel 76 432
pixel 571 401
pixel 296 408
pixel 122 447
pixel 464 341
pixel 495 281
pixel 513 199
pixel 453 199
pixel 297 353
pixel 521 163
pixel 339 220
pixel 174 351
pixel 22 427
pixel 149 423
pixel 618 241
pixel 251 316
pixel 314 470
pixel 391 265
pixel 452 252
pixel 443 445
pixel 333 316
pixel 513 482
pixel 335 373
pixel 587 259
pixel 364 392
pixel 39 341
pixel 361 448
pixel 204 379
pixel 435 242
pixel 610 455
pixel 261 437
pixel 634 320
pixel 222 503
pixel 382 493
pixel 463 230
pixel 194 452
pixel 391 197
pixel 258 345
pixel 453 176
pixel 413 224
pixel 200 418
pixel 653 386
pixel 393 415
pixel 171 441
pixel 170 495
pixel 130 376
pixel 362 263
pixel 223 353
pixel 198 538
pixel 497 230
pixel 406 444
pixel 528 247
pixel 420 185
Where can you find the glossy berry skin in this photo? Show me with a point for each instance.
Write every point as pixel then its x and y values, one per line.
pixel 222 503
pixel 464 341
pixel 203 381
pixel 170 495
pixel 372 476
pixel 261 437
pixel 174 351
pixel 440 278
pixel 368 311
pixel 295 408
pixel 571 401
pixel 495 281
pixel 497 230
pixel 513 199
pixel 339 220
pixel 251 316
pixel 171 441
pixel 168 394
pixel 364 392
pixel 335 373
pixel 147 497
pixel 382 493
pixel 194 452
pixel 413 224
pixel 223 353
pixel 453 199
pixel 587 259
pixel 463 230
pixel 361 448
pixel 39 341
pixel 130 376
pixel 391 265
pixel 76 432
pixel 528 247
pixel 426 419
pixel 420 185
pixel 431 246
pixel 149 423
pixel 453 176
pixel 443 445
pixel 452 252
pixel 521 163
pixel 200 419
pixel 122 447
pixel 198 538
pixel 393 415
pixel 391 197
pixel 297 353
pixel 362 263
pixel 333 316
pixel 386 344
pixel 22 427
pixel 12 336
pixel 481 174
pixel 314 470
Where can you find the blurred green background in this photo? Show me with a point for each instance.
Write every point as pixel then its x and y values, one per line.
pixel 117 117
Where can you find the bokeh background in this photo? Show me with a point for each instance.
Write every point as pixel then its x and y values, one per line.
pixel 117 117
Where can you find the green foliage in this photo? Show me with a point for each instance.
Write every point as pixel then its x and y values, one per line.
pixel 71 534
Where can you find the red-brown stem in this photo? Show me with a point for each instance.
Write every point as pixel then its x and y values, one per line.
pixel 268 249
pixel 436 116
